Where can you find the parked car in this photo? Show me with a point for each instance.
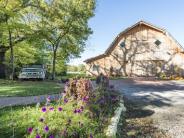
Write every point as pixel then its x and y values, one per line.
pixel 32 73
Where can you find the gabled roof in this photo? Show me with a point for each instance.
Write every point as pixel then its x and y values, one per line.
pixel 112 45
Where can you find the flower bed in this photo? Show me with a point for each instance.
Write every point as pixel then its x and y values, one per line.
pixel 81 112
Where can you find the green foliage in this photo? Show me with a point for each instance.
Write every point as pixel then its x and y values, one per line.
pixel 64 27
pixel 13 27
pixel 162 75
pixel 48 32
pixel 73 68
pixel 24 54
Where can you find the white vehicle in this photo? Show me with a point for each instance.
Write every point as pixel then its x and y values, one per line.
pixel 32 73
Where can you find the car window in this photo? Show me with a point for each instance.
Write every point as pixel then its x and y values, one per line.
pixel 31 70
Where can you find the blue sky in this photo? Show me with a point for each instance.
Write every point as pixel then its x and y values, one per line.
pixel 113 16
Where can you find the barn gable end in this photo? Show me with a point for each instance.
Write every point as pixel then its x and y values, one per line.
pixel 140 48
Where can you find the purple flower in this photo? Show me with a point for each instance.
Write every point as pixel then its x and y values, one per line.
pixel 51 108
pixel 38 136
pixel 86 98
pixel 75 111
pixel 51 136
pixel 44 109
pixel 41 120
pixel 46 128
pixel 78 111
pixel 30 129
pixel 65 100
pixel 60 109
pixel 94 96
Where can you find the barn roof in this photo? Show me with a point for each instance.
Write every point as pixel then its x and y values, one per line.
pixel 112 45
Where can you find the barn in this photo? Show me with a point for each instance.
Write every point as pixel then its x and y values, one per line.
pixel 140 50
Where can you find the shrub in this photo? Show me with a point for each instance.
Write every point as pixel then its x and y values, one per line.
pixel 163 75
pixel 78 89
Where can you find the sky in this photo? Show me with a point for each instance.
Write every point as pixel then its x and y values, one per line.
pixel 113 16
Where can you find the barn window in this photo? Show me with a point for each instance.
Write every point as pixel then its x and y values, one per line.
pixel 95 67
pixel 158 42
pixel 168 53
pixel 122 44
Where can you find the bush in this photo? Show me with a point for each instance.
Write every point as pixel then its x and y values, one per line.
pixel 78 89
pixel 163 75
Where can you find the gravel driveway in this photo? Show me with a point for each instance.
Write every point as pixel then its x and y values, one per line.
pixel 164 98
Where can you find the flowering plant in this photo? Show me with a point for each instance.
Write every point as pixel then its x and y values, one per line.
pixel 78 89
pixel 81 112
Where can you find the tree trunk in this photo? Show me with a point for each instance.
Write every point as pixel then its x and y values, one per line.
pixel 54 65
pixel 2 65
pixel 11 56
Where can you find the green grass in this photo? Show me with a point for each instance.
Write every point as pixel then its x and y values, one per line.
pixel 22 118
pixel 28 88
pixel 19 119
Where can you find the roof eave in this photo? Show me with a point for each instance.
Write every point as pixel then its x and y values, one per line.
pixel 94 58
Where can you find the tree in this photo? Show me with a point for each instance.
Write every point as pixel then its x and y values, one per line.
pixel 81 68
pixel 63 24
pixel 12 28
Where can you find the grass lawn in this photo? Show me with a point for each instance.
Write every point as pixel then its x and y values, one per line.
pixel 28 88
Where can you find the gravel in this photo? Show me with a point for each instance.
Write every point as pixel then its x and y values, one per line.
pixel 164 98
